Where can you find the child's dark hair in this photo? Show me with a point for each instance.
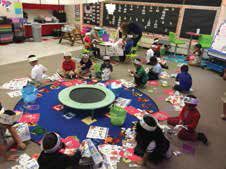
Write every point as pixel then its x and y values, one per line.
pixel 191 96
pixel 49 141
pixel 199 46
pixel 184 68
pixel 31 56
pixel 9 112
pixel 153 61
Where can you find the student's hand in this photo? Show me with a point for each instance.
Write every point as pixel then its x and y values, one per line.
pixel 11 157
pixel 22 146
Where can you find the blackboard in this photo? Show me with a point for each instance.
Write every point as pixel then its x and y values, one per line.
pixel 197 19
pixel 158 1
pixel 203 2
pixel 154 19
pixel 91 13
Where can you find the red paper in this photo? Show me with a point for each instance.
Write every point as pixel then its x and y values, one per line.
pixel 153 83
pixel 129 154
pixel 44 90
pixel 30 118
pixel 58 107
pixel 168 91
pixel 72 82
pixel 161 116
pixel 131 110
pixel 71 142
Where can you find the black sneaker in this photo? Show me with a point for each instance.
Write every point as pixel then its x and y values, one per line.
pixel 202 138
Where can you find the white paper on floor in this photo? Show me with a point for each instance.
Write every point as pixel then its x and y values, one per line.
pixel 15 84
pixel 13 94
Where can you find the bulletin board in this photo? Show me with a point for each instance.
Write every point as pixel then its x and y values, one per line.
pixel 197 19
pixel 91 13
pixel 154 19
pixel 11 8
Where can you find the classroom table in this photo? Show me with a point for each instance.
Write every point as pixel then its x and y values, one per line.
pixel 105 45
pixel 192 34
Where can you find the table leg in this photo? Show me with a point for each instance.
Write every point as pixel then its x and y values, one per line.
pixel 92 114
pixel 105 50
pixel 189 47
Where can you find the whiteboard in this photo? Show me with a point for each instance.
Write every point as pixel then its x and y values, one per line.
pixel 219 42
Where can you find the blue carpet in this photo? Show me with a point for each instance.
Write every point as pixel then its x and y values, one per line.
pixel 177 59
pixel 52 120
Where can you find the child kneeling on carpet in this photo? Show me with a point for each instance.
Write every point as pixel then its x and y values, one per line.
pixel 106 68
pixel 156 70
pixel 195 58
pixel 52 158
pixel 183 80
pixel 152 145
pixel 7 120
pixel 38 72
pixel 85 67
pixel 68 66
pixel 189 119
pixel 140 76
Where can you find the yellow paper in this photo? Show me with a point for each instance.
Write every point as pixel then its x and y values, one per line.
pixel 88 120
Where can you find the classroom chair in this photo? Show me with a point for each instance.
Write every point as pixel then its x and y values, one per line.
pixel 173 39
pixel 205 41
pixel 132 55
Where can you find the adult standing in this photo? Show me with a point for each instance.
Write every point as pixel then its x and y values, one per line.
pixel 134 29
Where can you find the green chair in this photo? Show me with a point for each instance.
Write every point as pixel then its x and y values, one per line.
pixel 205 41
pixel 132 55
pixel 173 39
pixel 117 115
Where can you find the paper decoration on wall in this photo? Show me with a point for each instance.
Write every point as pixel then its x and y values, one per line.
pixel 5 3
pixel 88 9
pixel 18 8
pixel 110 8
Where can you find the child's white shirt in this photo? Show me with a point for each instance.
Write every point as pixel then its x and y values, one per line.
pixel 157 68
pixel 38 72
pixel 149 54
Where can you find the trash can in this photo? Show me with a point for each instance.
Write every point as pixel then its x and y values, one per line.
pixel 117 115
pixel 36 32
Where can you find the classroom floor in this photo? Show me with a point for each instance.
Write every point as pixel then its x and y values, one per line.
pixel 15 52
pixel 208 87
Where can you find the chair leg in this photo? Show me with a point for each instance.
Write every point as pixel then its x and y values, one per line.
pixel 175 51
pixel 61 38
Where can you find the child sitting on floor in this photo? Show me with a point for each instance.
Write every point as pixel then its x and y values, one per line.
pixel 183 80
pixel 156 70
pixel 106 68
pixel 189 118
pixel 85 66
pixel 68 66
pixel 7 120
pixel 51 158
pixel 152 145
pixel 195 58
pixel 90 44
pixel 140 76
pixel 38 72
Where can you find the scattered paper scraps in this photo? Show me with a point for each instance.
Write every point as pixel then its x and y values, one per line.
pixel 69 115
pixel 140 114
pixel 72 82
pixel 26 162
pixel 88 120
pixel 97 132
pixel 53 87
pixel 55 77
pixel 13 94
pixel 58 107
pixel 71 145
pixel 161 116
pixel 168 91
pixel 164 75
pixel 131 110
pixel 44 90
pixel 177 100
pixel 129 154
pixel 30 118
pixel 146 106
pixel 153 83
pixel 164 83
pixel 15 84
pixel 140 99
pixel 187 148
pixel 122 102
pixel 38 130
pixel 127 84
pixel 177 153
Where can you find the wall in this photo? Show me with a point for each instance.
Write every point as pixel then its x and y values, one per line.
pixel 222 15
pixel 12 11
pixel 70 12
pixel 32 13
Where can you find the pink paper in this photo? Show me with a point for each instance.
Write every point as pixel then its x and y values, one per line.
pixel 30 118
pixel 168 91
pixel 131 110
pixel 72 82
pixel 71 142
pixel 153 83
pixel 161 116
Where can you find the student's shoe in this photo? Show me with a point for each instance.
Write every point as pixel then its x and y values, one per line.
pixel 202 138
